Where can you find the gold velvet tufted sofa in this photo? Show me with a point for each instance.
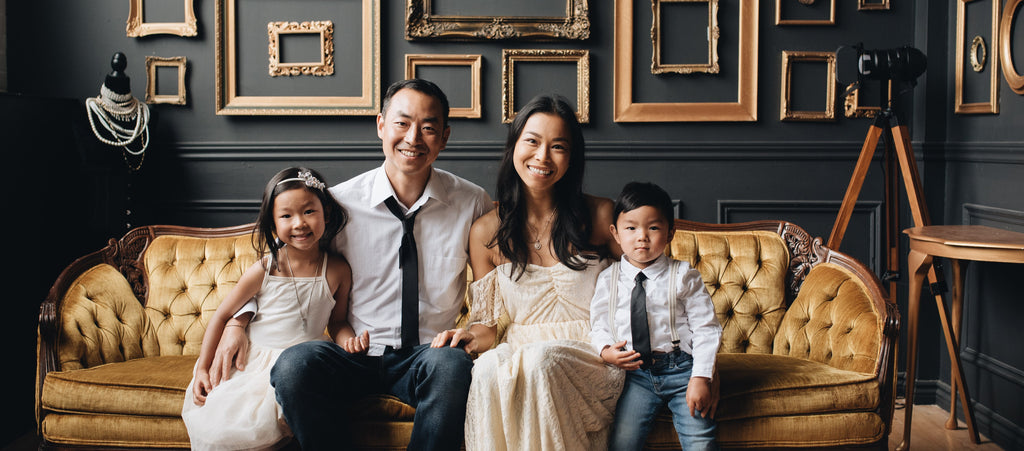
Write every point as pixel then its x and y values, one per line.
pixel 806 359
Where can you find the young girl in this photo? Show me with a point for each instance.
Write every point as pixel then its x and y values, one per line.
pixel 300 290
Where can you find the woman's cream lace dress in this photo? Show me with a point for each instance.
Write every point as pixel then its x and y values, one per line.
pixel 543 387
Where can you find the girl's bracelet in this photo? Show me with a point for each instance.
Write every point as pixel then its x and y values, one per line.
pixel 235 325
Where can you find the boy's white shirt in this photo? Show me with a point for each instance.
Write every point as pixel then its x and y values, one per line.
pixel 698 329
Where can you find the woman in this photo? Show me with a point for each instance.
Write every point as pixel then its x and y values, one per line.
pixel 535 259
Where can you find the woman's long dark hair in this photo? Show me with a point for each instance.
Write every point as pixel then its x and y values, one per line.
pixel 335 216
pixel 572 226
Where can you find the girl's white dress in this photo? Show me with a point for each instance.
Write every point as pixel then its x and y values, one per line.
pixel 242 412
pixel 544 387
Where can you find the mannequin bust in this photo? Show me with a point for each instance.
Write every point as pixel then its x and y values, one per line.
pixel 117 80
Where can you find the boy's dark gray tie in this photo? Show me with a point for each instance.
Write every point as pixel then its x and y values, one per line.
pixel 638 320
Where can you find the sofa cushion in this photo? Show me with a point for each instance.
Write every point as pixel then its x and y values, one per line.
pixel 757 385
pixel 151 386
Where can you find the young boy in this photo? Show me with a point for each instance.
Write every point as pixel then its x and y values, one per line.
pixel 652 316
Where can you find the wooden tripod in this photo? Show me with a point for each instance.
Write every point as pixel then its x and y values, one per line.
pixel 898 143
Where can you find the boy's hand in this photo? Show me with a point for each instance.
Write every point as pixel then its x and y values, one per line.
pixel 699 397
pixel 615 355
pixel 357 344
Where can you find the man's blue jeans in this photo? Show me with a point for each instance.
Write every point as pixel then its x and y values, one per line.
pixel 646 391
pixel 316 381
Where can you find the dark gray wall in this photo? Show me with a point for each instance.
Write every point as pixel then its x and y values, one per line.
pixel 208 170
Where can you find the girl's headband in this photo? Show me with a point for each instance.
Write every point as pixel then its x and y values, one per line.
pixel 306 178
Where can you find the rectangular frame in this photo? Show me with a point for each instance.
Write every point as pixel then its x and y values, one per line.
pixel 780 21
pixel 136 27
pixel 152 63
pixel 865 5
pixel 228 102
pixel 853 109
pixel 421 23
pixel 325 28
pixel 992 106
pixel 829 114
pixel 711 67
pixel 744 109
pixel 509 58
pixel 412 61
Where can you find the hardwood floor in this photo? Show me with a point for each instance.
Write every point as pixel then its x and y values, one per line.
pixel 930 433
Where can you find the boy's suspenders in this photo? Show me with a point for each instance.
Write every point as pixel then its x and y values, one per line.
pixel 613 296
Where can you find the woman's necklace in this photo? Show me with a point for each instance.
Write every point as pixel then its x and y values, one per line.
pixel 295 286
pixel 537 236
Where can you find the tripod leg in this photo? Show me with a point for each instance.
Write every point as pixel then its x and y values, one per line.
pixel 853 191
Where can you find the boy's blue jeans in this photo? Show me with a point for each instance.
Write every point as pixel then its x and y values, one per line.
pixel 646 390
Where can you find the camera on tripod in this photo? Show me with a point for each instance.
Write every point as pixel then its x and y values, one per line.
pixel 900 64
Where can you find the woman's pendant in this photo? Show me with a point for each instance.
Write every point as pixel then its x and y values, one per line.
pixel 536 245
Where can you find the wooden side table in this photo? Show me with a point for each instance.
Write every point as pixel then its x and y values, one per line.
pixel 960 244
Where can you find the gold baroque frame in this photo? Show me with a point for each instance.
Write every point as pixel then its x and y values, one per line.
pixel 473 111
pixel 711 67
pixel 744 109
pixel 325 28
pixel 829 114
pixel 421 23
pixel 228 102
pixel 992 106
pixel 864 5
pixel 136 28
pixel 509 58
pixel 853 109
pixel 152 63
pixel 1015 80
pixel 830 21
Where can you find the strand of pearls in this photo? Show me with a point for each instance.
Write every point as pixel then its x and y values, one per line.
pixel 110 107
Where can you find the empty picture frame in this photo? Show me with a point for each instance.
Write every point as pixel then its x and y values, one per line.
pixel 1014 79
pixel 136 27
pixel 853 109
pixel 830 20
pixel 828 58
pixel 155 62
pixel 422 23
pixel 711 66
pixel 323 28
pixel 511 57
pixel 868 5
pixel 230 102
pixel 743 109
pixel 473 62
pixel 992 105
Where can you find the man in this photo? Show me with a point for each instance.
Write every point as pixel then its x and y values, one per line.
pixel 315 381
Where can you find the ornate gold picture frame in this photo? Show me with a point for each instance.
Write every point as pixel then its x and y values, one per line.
pixel 829 113
pixel 323 28
pixel 865 5
pixel 154 62
pixel 830 20
pixel 473 62
pixel 853 109
pixel 977 46
pixel 511 57
pixel 229 102
pixel 711 66
pixel 422 23
pixel 743 109
pixel 1015 80
pixel 136 27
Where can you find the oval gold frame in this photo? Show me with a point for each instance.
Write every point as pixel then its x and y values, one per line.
pixel 978 46
pixel 1015 80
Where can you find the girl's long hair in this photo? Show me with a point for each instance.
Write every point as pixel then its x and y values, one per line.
pixel 572 226
pixel 335 216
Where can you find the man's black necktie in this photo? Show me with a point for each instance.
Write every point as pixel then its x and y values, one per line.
pixel 638 320
pixel 408 261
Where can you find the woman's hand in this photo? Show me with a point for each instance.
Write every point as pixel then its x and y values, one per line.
pixel 454 338
pixel 357 344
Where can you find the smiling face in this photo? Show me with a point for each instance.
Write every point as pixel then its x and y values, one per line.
pixel 643 234
pixel 412 132
pixel 541 154
pixel 299 219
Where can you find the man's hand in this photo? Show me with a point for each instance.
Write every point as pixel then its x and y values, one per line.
pixel 700 398
pixel 358 344
pixel 616 355
pixel 232 351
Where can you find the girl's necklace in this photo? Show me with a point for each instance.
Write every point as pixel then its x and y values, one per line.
pixel 295 286
pixel 537 236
